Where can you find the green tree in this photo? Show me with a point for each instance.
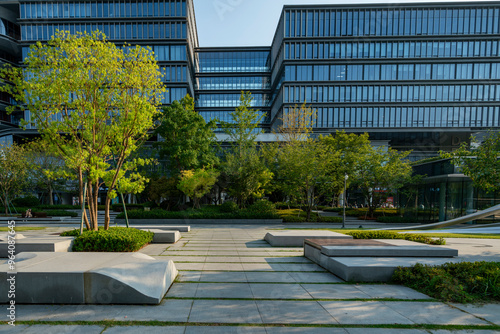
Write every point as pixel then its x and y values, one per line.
pixel 480 161
pixel 14 173
pixel 244 167
pixel 94 105
pixel 162 189
pixel 381 172
pixel 187 141
pixel 197 183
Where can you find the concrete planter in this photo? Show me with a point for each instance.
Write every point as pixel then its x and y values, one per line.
pixel 200 221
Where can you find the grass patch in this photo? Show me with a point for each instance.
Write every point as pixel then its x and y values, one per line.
pixel 463 282
pixel 394 235
pixel 116 239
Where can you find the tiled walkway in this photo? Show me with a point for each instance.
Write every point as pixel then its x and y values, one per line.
pixel 232 281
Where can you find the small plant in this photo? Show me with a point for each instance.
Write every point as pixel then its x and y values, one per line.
pixel 463 282
pixel 262 206
pixel 116 239
pixel 395 235
pixel 229 207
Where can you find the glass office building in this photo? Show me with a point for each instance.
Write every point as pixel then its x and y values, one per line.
pixel 415 76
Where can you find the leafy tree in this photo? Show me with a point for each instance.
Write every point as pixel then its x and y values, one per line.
pixel 187 140
pixel 14 173
pixel 47 171
pixel 244 167
pixel 381 172
pixel 197 183
pixel 480 162
pixel 164 188
pixel 93 104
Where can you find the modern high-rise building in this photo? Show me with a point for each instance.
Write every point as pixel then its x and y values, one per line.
pixel 421 76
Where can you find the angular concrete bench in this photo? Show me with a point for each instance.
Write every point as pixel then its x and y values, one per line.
pixel 36 244
pixel 88 278
pixel 296 238
pixel 180 228
pixel 164 237
pixel 372 260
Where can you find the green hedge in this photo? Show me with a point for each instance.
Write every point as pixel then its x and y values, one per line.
pixel 116 239
pixel 463 282
pixel 334 210
pixel 397 220
pixel 394 235
pixel 60 213
pixel 293 216
pixel 197 214
pixel 119 207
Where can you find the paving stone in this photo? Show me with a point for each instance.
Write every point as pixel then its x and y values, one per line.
pixel 279 291
pixel 182 290
pixel 315 277
pixel 189 276
pixel 222 259
pixel 223 267
pixel 391 291
pixel 468 331
pixel 12 329
pixel 263 267
pixel 145 329
pixel 224 290
pixel 62 329
pixel 180 259
pixel 385 331
pixel 293 312
pixel 215 276
pixel 269 277
pixel 434 313
pixel 224 330
pixel 168 310
pixel 34 312
pixel 85 313
pixel 189 266
pixel 225 311
pixel 489 312
pixel 364 313
pixel 308 330
pixel 334 291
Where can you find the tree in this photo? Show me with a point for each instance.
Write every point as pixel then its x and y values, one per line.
pixel 197 183
pixel 381 172
pixel 161 189
pixel 47 172
pixel 187 140
pixel 480 162
pixel 94 105
pixel 13 173
pixel 244 166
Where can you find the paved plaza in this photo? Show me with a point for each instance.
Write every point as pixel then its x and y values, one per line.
pixel 232 281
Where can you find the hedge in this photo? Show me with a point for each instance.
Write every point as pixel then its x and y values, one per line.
pixel 116 239
pixel 462 282
pixel 395 235
pixel 397 220
pixel 200 214
pixel 60 213
pixel 293 216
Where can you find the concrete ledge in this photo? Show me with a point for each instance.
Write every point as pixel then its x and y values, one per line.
pixel 296 238
pixel 183 228
pixel 89 278
pixel 42 244
pixel 164 237
pixel 201 221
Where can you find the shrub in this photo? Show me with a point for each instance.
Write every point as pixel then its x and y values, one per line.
pixel 59 207
pixel 61 213
pixel 262 206
pixel 334 209
pixel 116 239
pixel 72 233
pixel 462 282
pixel 28 201
pixel 119 207
pixel 300 216
pixel 229 207
pixel 197 214
pixel 394 235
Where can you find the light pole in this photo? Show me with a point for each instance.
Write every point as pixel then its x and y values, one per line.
pixel 345 198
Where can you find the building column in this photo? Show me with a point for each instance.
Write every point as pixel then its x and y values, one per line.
pixel 469 197
pixel 442 201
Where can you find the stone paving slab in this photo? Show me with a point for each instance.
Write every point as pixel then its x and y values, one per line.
pixel 59 329
pixel 225 330
pixel 168 310
pixel 145 329
pixel 294 312
pixel 364 313
pixel 279 291
pixel 225 311
pixel 386 331
pixel 490 312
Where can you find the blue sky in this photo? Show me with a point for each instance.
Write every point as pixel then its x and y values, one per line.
pixel 247 22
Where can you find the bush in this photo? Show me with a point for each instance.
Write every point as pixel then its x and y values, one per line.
pixel 394 235
pixel 119 207
pixel 300 216
pixel 462 282
pixel 28 201
pixel 197 214
pixel 334 209
pixel 397 220
pixel 229 207
pixel 72 233
pixel 262 206
pixel 61 213
pixel 116 239
pixel 59 207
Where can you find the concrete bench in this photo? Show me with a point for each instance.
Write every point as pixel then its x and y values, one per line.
pixel 37 244
pixel 164 237
pixel 295 238
pixel 88 278
pixel 180 228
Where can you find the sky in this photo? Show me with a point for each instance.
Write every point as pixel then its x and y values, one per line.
pixel 248 22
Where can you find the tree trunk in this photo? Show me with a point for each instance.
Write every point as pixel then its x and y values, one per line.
pixel 106 213
pixel 51 195
pixel 80 197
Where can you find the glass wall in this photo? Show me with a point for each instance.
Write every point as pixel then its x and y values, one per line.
pixel 229 100
pixel 391 22
pixel 233 83
pixel 226 61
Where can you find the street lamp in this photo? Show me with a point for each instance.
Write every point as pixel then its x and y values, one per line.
pixel 345 198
